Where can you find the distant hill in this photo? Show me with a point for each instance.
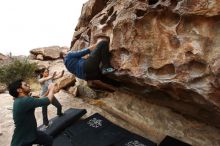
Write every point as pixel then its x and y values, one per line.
pixel 4 59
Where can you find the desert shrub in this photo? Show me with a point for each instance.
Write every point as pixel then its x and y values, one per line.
pixel 17 69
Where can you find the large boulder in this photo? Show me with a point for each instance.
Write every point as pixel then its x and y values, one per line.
pixel 65 81
pixel 169 48
pixel 47 53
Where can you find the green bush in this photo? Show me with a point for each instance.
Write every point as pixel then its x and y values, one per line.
pixel 17 69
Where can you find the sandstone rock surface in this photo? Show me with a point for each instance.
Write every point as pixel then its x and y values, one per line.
pixel 47 53
pixel 169 46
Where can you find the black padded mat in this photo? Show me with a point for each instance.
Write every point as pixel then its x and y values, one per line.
pixel 62 140
pixel 170 141
pixel 134 140
pixel 98 131
pixel 60 123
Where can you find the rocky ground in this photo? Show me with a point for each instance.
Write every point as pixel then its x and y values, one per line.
pixel 126 110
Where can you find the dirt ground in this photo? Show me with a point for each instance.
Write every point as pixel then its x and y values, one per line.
pixel 132 113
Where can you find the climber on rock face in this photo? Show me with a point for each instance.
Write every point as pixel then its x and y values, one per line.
pixel 89 68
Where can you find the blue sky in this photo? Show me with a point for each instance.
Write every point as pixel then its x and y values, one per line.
pixel 29 24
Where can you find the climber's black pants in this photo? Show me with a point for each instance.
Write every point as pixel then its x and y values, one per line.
pixel 100 56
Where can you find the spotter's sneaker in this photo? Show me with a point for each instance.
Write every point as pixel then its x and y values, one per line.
pixel 44 127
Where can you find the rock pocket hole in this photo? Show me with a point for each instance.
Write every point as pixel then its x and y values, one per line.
pixel 110 11
pixel 167 71
pixel 196 69
pixel 140 13
pixel 189 54
pixel 152 2
pixel 124 55
pixel 175 42
pixel 112 18
pixel 103 20
pixel 124 51
pixel 173 3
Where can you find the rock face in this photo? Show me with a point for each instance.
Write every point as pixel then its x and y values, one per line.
pixel 170 48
